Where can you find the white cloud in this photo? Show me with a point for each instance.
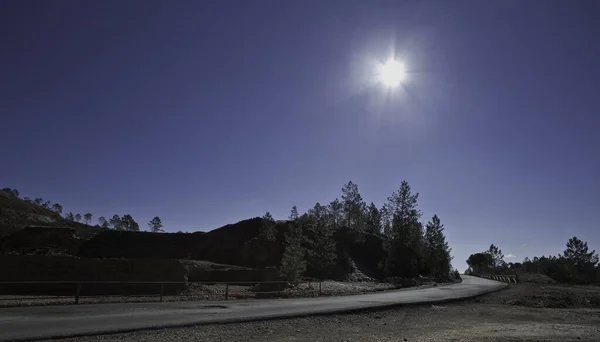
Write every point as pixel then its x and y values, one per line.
pixel 510 256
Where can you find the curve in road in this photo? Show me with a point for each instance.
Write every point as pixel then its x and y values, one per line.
pixel 28 323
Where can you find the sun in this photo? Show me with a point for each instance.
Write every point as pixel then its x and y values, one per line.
pixel 391 73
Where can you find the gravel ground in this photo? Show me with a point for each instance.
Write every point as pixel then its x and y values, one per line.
pixel 501 316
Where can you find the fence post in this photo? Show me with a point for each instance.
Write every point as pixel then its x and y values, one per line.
pixel 226 291
pixel 162 291
pixel 320 288
pixel 77 292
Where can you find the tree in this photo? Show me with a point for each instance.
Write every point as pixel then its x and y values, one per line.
pixel 129 223
pixel 38 201
pixel 336 211
pixel 480 262
pixel 155 225
pixel 353 206
pixel 293 260
pixel 88 218
pixel 46 205
pixel 267 230
pixel 115 222
pixel 69 216
pixel 404 247
pixel 437 250
pixel 15 192
pixel 78 217
pixel 578 254
pixel 321 245
pixel 293 214
pixel 27 199
pixel 102 222
pixel 497 256
pixel 57 208
pixel 373 219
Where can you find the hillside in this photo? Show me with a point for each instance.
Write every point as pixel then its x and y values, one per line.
pixel 16 214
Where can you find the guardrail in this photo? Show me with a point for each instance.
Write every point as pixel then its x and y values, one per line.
pixel 231 289
pixel 509 279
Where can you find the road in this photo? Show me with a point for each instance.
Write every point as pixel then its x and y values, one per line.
pixel 73 320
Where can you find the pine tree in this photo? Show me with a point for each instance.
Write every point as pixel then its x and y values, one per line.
pixel 267 230
pixel 88 218
pixel 578 254
pixel 321 251
pixel 373 219
pixel 293 260
pixel 437 251
pixel 354 207
pixel 336 213
pixel 405 252
pixel 155 225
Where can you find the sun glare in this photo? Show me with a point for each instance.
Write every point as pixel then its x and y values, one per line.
pixel 391 73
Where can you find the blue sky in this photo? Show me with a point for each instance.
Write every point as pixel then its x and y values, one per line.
pixel 209 112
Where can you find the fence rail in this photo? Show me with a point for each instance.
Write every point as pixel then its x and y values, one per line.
pixel 159 290
pixel 509 279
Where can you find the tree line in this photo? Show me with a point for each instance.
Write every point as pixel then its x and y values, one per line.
pixel 577 264
pixel 116 222
pixel 412 248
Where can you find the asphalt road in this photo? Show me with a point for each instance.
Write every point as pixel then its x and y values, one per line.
pixel 73 320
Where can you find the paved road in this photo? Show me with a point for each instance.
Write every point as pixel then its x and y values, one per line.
pixel 72 320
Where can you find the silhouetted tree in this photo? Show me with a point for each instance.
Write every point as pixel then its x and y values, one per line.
pixel 69 216
pixel 437 252
pixel 46 205
pixel 321 251
pixel 578 254
pixel 27 199
pixel 353 206
pixel 336 211
pixel 404 247
pixel 480 262
pixel 373 219
pixel 115 222
pixel 294 213
pixel 497 256
pixel 57 208
pixel 78 217
pixel 267 229
pixel 155 225
pixel 88 218
pixel 38 201
pixel 102 222
pixel 129 223
pixel 293 260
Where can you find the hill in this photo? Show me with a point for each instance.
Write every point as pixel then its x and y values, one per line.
pixel 16 214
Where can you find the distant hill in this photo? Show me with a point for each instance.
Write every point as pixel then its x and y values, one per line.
pixel 16 214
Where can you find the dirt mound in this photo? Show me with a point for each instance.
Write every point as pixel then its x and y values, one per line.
pixel 41 240
pixel 70 269
pixel 126 244
pixel 234 244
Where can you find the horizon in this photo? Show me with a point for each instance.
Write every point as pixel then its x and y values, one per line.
pixel 208 113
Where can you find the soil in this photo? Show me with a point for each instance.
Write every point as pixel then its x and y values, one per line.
pixel 524 312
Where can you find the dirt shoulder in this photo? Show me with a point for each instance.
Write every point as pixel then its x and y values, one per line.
pixel 526 312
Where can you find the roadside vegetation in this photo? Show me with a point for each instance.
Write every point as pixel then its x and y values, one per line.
pixel 576 265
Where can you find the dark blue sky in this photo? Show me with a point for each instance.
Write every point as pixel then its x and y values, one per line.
pixel 208 112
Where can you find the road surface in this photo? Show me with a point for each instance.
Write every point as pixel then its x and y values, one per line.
pixel 73 320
